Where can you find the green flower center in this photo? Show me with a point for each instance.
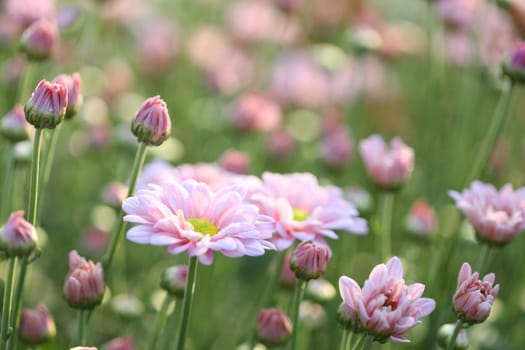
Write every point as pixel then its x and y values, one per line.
pixel 300 214
pixel 203 226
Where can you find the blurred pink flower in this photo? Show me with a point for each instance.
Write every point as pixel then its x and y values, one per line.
pixel 458 48
pixel 174 278
pixel 40 39
pixel 14 126
pixel 457 13
pixel 497 216
pixel 473 298
pixel 26 12
pixel 75 98
pixel 120 343
pixel 337 146
pixel 252 21
pixel 280 143
pixel 84 285
pixel 36 326
pixel 304 210
pixel 211 174
pixel 273 327
pixel 17 236
pixel 189 217
pixel 421 219
pixel 254 112
pixel 235 161
pixel 152 125
pixel 388 167
pixel 47 105
pixel 94 240
pixel 386 307
pixel 309 260
pixel 114 194
pixel 156 46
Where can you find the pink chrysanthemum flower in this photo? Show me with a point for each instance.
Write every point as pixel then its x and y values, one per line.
pixel 497 216
pixel 388 167
pixel 189 217
pixel 473 298
pixel 304 210
pixel 386 307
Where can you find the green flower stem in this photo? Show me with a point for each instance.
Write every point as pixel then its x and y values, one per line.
pixel 24 83
pixel 345 340
pixel 82 327
pixel 160 322
pixel 358 342
pixel 6 304
pixel 7 189
pixel 387 204
pixel 367 345
pixel 187 302
pixel 452 341
pixel 297 297
pixel 140 156
pixel 499 119
pixel 483 257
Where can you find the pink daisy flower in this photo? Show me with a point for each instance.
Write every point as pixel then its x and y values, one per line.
pixel 497 216
pixel 304 210
pixel 189 217
pixel 386 307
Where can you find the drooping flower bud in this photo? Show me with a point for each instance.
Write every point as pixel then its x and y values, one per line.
pixel 75 98
pixel 444 334
pixel 114 194
pixel 152 124
pixel 273 327
pixel 36 326
pixel 309 260
pixel 14 126
pixel 18 237
pixel 84 284
pixel 39 40
pixel 514 65
pixel 47 105
pixel 174 280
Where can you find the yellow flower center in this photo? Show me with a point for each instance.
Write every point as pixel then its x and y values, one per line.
pixel 300 214
pixel 203 226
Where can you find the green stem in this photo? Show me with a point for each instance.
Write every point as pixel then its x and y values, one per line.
pixel 297 297
pixel 82 327
pixel 358 342
pixel 17 300
pixel 499 119
pixel 23 84
pixel 345 340
pixel 6 304
pixel 7 191
pixel 367 345
pixel 160 322
pixel 387 204
pixel 50 154
pixel 452 341
pixel 140 156
pixel 483 257
pixel 187 302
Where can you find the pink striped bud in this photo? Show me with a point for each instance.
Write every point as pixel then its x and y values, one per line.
pixel 36 326
pixel 152 124
pixel 40 39
pixel 273 327
pixel 84 284
pixel 73 85
pixel 18 237
pixel 47 106
pixel 309 260
pixel 14 126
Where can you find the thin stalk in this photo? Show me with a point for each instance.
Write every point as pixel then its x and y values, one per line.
pixel 483 257
pixel 6 304
pixel 187 302
pixel 387 204
pixel 368 342
pixel 499 119
pixel 82 327
pixel 135 171
pixel 23 84
pixel 345 340
pixel 297 297
pixel 452 341
pixel 7 189
pixel 50 154
pixel 160 322
pixel 358 342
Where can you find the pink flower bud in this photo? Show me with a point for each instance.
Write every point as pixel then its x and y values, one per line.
pixel 421 219
pixel 114 194
pixel 514 65
pixel 253 112
pixel 47 106
pixel 152 124
pixel 280 143
pixel 235 161
pixel 83 348
pixel 36 326
pixel 18 237
pixel 14 126
pixel 120 343
pixel 39 40
pixel 174 280
pixel 84 284
pixel 273 327
pixel 387 166
pixel 473 298
pixel 309 260
pixel 73 85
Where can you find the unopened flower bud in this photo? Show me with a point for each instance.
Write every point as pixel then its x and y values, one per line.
pixel 47 106
pixel 14 126
pixel 421 219
pixel 312 314
pixel 114 194
pixel 84 284
pixel 120 343
pixel 18 237
pixel 75 98
pixel 127 306
pixel 320 290
pixel 39 40
pixel 309 260
pixel 273 327
pixel 152 124
pixel 444 334
pixel 36 326
pixel 174 280
pixel 514 65
pixel 235 161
